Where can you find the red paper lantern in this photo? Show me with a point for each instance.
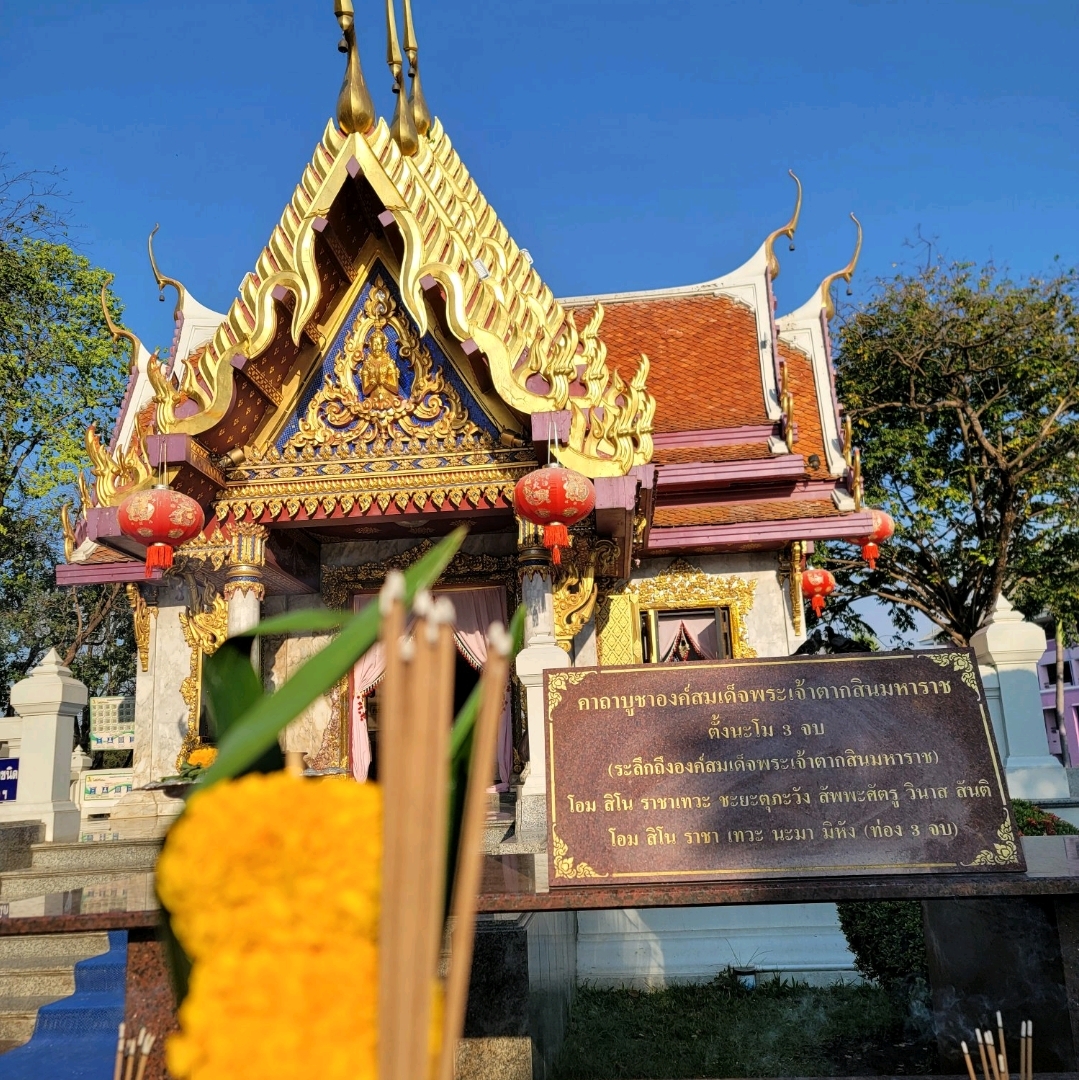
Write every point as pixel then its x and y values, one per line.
pixel 816 585
pixel 162 519
pixel 554 497
pixel 883 527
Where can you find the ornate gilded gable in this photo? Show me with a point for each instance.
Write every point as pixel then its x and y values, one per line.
pixel 381 385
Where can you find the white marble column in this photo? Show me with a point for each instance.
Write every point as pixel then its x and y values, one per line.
pixel 540 653
pixel 1008 649
pixel 47 702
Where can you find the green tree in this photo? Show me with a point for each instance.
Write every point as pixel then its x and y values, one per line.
pixel 963 390
pixel 59 371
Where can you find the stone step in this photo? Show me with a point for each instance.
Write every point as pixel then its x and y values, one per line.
pixel 18 1016
pixel 24 883
pixel 104 855
pixel 30 976
pixel 496 829
pixel 19 946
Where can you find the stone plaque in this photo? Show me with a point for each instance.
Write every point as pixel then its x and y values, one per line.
pixel 850 764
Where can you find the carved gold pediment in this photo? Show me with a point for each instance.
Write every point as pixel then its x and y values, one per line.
pixel 362 406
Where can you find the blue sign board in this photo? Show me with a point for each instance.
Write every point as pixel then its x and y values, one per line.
pixel 9 778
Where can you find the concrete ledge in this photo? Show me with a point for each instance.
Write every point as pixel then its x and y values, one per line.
pixel 499 1058
pixel 16 841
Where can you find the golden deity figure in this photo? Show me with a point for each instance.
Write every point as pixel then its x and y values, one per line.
pixel 379 376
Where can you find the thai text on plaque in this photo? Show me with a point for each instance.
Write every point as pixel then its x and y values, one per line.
pixel 851 764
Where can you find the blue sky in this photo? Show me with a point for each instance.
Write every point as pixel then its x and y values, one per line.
pixel 626 144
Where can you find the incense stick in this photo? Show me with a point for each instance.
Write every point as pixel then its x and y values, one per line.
pixel 1003 1047
pixel 981 1050
pixel 1030 1050
pixel 391 752
pixel 966 1058
pixel 118 1068
pixel 129 1053
pixel 991 1053
pixel 469 850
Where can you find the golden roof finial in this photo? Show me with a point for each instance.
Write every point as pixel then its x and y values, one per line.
pixel 403 124
pixel 118 331
pixel 355 109
pixel 160 278
pixel 787 231
pixel 846 274
pixel 420 113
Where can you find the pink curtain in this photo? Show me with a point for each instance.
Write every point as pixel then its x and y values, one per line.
pixel 476 610
pixel 700 631
pixel 366 675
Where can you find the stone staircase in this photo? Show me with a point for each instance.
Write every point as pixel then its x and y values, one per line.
pixel 56 868
pixel 36 969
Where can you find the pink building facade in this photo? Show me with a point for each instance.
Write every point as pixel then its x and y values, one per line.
pixel 1066 748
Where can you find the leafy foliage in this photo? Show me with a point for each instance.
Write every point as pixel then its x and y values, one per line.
pixel 963 390
pixel 887 939
pixel 59 371
pixel 1034 821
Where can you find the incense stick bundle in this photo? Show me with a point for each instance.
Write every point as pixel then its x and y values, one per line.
pixel 981 1050
pixel 144 1055
pixel 415 717
pixel 991 1053
pixel 118 1068
pixel 469 853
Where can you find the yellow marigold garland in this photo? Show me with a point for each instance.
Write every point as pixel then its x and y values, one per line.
pixel 273 883
pixel 202 755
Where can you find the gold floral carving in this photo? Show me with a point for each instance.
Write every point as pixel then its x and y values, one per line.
pixel 340 582
pixel 494 298
pixel 141 613
pixel 205 632
pixel 1003 853
pixel 575 585
pixel 618 629
pixel 684 586
pixel 278 485
pixel 339 416
pixel 115 476
pixel 958 662
pixel 618 623
pixel 563 862
pixel 557 683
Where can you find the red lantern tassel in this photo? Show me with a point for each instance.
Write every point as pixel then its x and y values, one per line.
pixel 870 551
pixel 158 555
pixel 554 537
pixel 818 606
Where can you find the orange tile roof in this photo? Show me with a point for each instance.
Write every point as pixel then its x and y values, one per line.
pixel 736 513
pixel 704 353
pixel 689 455
pixel 806 411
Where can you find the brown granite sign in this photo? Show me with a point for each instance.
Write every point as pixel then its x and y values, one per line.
pixel 847 764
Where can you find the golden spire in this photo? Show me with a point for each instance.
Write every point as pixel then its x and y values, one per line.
pixel 403 125
pixel 787 231
pixel 160 278
pixel 420 113
pixel 118 331
pixel 846 274
pixel 355 109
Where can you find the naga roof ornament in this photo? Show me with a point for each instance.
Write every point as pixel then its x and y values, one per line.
pixel 787 230
pixel 420 113
pixel 846 274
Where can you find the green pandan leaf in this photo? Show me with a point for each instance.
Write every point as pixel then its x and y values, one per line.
pixel 305 621
pixel 256 731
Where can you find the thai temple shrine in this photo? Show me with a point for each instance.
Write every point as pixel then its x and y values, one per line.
pixel 392 366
